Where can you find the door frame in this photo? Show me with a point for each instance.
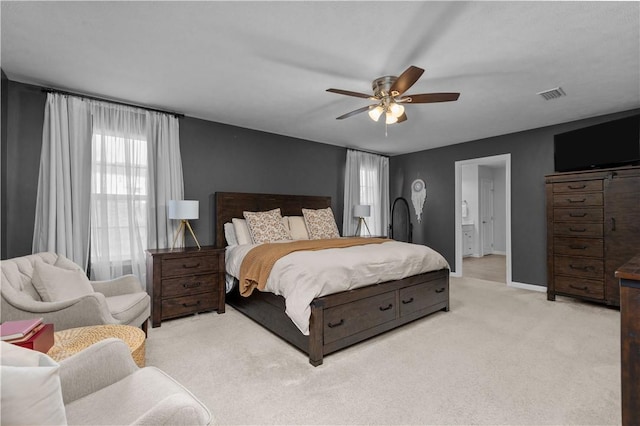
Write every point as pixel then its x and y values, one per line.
pixel 502 160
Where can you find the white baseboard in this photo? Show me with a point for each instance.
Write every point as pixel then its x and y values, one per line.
pixel 531 287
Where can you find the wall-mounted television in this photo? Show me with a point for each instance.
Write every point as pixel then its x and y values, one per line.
pixel 610 144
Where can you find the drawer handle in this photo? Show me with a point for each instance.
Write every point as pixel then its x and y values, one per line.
pixel 577 187
pixel 577 229
pixel 440 290
pixel 571 200
pixel 581 268
pixel 338 324
pixel 192 285
pixel 577 247
pixel 406 302
pixel 577 214
pixel 585 288
pixel 386 308
pixel 191 305
pixel 192 266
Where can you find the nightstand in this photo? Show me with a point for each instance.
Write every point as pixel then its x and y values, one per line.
pixel 185 281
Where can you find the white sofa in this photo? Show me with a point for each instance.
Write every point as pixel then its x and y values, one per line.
pixel 118 301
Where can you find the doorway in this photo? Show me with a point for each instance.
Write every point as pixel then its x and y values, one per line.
pixel 486 222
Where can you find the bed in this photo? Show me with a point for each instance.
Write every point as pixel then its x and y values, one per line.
pixel 336 320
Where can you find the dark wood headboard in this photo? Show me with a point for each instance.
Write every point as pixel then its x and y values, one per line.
pixel 229 205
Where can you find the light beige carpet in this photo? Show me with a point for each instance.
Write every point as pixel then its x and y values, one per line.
pixel 500 356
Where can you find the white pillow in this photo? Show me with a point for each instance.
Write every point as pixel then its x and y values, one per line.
pixel 242 231
pixel 320 223
pixel 266 227
pixel 55 284
pixel 297 228
pixel 31 392
pixel 230 234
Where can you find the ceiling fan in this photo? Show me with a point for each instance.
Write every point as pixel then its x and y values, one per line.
pixel 389 99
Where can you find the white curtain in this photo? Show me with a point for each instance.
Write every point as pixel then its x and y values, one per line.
pixel 63 197
pixel 165 172
pixel 366 183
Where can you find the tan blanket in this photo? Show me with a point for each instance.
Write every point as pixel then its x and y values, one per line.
pixel 257 264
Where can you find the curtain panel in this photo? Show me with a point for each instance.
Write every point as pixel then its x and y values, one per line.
pixel 366 183
pixel 64 191
pixel 107 172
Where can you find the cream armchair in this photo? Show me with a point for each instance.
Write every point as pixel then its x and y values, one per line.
pixel 118 301
pixel 100 385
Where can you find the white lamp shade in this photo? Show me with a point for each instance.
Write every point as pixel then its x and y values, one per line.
pixel 361 210
pixel 184 209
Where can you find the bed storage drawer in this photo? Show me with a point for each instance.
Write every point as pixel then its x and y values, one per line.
pixel 418 297
pixel 348 319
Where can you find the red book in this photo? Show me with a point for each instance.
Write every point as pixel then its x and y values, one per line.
pixel 17 329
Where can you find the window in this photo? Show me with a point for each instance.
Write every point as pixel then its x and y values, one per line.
pixel 119 198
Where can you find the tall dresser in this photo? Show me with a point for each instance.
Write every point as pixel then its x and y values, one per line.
pixel 593 228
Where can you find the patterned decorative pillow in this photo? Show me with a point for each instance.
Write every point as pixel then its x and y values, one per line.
pixel 266 227
pixel 321 223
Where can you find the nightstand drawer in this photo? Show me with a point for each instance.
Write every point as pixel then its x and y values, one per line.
pixel 181 266
pixel 179 306
pixel 192 284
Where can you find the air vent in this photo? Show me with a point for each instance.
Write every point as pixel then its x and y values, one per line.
pixel 552 93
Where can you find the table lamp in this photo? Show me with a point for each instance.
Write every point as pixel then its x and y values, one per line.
pixel 183 210
pixel 361 211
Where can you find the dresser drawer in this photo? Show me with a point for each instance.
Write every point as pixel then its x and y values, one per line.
pixel 578 186
pixel 418 297
pixel 588 214
pixel 578 199
pixel 181 266
pixel 192 284
pixel 580 287
pixel 578 229
pixel 346 320
pixel 579 267
pixel 178 306
pixel 590 247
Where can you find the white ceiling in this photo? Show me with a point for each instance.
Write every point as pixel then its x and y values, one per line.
pixel 266 65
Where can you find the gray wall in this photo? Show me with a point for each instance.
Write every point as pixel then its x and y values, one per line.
pixel 531 159
pixel 218 158
pixel 215 157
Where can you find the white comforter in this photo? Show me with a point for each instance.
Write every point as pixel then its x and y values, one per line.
pixel 302 276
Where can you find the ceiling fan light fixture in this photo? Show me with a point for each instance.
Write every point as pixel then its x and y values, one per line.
pixel 391 118
pixel 396 110
pixel 376 112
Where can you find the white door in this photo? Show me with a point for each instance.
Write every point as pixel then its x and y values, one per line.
pixel 486 216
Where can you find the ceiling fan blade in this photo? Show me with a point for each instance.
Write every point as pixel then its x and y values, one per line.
pixel 425 98
pixel 357 111
pixel 402 118
pixel 350 93
pixel 406 80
